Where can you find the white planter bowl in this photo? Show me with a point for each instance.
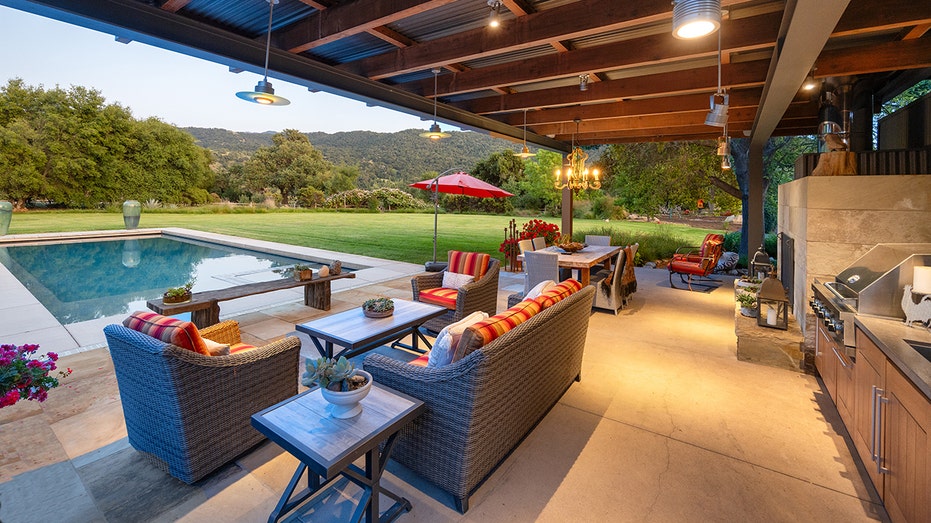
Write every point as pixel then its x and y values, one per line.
pixel 346 404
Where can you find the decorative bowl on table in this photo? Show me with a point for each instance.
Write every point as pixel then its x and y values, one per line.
pixel 346 404
pixel 571 247
pixel 378 308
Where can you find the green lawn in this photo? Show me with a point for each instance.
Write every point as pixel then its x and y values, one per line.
pixel 396 236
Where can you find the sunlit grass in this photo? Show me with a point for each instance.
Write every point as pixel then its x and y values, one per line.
pixel 396 236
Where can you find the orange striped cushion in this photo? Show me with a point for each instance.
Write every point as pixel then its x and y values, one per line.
pixel 421 361
pixel 240 347
pixel 440 296
pixel 471 263
pixel 486 331
pixel 558 293
pixel 170 330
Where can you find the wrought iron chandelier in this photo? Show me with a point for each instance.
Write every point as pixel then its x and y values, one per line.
pixel 575 175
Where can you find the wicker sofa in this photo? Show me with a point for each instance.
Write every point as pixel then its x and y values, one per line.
pixel 468 429
pixel 189 413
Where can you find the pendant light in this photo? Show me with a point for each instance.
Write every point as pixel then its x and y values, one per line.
pixel 435 133
pixel 525 152
pixel 718 115
pixel 494 18
pixel 264 93
pixel 695 18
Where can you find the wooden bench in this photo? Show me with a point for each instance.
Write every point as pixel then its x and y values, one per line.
pixel 205 308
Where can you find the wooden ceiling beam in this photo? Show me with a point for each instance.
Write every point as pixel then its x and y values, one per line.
pixel 330 25
pixel 173 6
pixel 693 132
pixel 574 20
pixel 875 58
pixel 758 32
pixel 643 107
pixel 704 79
pixel 669 120
pixel 871 16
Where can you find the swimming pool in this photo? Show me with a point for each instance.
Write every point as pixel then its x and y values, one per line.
pixel 84 280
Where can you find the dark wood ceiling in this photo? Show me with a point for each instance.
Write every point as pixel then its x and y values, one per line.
pixel 644 85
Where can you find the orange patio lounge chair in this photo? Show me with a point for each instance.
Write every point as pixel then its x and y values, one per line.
pixel 694 265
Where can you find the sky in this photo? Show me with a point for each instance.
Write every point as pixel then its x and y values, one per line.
pixel 177 89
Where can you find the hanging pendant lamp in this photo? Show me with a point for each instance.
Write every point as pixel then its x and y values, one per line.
pixel 718 115
pixel 525 152
pixel 264 93
pixel 435 133
pixel 695 18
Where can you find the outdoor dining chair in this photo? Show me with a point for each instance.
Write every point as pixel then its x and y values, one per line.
pixel 609 286
pixel 525 245
pixel 597 240
pixel 539 242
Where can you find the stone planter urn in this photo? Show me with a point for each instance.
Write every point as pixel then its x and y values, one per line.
pixel 6 214
pixel 131 212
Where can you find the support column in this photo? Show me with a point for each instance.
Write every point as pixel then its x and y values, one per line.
pixel 566 227
pixel 755 198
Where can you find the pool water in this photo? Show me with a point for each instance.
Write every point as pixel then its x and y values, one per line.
pixel 86 280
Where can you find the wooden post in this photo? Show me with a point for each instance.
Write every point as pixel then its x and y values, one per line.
pixel 317 295
pixel 566 228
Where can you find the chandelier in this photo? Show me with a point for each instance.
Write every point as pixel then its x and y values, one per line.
pixel 575 175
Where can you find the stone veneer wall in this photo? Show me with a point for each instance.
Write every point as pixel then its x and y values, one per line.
pixel 836 219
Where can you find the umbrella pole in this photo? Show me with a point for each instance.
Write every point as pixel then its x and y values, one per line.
pixel 436 206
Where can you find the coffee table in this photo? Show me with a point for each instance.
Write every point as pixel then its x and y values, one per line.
pixel 357 334
pixel 328 447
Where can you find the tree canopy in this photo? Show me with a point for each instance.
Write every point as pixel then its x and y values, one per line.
pixel 70 148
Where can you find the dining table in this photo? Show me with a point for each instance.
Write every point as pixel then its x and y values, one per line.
pixel 583 260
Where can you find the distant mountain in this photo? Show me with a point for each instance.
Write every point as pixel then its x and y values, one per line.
pixel 384 159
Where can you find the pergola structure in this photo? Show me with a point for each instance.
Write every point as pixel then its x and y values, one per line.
pixel 640 83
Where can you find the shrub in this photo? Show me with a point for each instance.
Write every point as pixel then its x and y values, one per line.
pixel 732 241
pixel 659 245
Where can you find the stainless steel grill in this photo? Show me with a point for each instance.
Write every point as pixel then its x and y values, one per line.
pixel 873 285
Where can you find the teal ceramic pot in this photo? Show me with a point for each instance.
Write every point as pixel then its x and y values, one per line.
pixel 6 214
pixel 131 212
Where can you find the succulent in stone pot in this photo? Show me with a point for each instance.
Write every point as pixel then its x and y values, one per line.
pixel 178 294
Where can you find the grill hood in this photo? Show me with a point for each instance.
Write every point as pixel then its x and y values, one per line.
pixel 878 277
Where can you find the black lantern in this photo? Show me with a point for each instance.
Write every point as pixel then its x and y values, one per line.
pixel 760 266
pixel 772 304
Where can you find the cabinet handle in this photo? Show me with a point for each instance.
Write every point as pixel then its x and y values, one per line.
pixel 842 362
pixel 880 469
pixel 873 454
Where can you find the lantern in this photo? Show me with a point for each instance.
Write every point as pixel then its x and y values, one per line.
pixel 772 304
pixel 760 266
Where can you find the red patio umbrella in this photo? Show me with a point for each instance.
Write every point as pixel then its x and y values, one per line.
pixel 458 182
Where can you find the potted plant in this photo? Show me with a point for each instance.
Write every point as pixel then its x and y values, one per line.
pixel 378 307
pixel 341 384
pixel 298 271
pixel 747 304
pixel 180 294
pixel 23 377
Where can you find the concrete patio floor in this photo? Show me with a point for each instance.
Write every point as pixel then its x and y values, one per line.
pixel 666 425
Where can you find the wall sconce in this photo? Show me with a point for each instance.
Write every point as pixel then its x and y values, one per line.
pixel 583 82
pixel 494 18
pixel 695 18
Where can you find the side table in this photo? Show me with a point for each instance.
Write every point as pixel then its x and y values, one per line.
pixel 328 447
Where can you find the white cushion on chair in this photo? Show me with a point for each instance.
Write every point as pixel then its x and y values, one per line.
pixel 539 289
pixel 446 341
pixel 454 280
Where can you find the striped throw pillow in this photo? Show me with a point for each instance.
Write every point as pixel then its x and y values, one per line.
pixel 558 293
pixel 169 330
pixel 486 331
pixel 471 263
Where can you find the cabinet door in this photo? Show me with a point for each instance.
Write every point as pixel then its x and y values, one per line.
pixel 824 355
pixel 907 420
pixel 845 375
pixel 868 384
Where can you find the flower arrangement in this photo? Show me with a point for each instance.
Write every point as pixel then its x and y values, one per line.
pixel 23 377
pixel 529 230
pixel 332 374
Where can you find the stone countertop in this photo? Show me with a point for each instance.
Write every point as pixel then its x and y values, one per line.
pixel 890 334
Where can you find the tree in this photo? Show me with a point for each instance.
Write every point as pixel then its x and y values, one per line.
pixel 21 163
pixel 499 168
pixel 289 165
pixel 535 190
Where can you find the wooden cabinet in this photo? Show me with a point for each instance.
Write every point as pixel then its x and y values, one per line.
pixel 837 372
pixel 892 433
pixel 869 386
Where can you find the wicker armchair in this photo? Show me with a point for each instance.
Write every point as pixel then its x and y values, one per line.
pixel 479 295
pixel 188 413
